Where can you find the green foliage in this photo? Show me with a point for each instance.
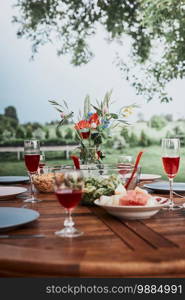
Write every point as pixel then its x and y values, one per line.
pixel 10 112
pixel 29 131
pixel 69 133
pixel 150 25
pixel 8 123
pixel 133 140
pixel 143 141
pixel 20 134
pixel 158 122
pixel 169 117
pixel 47 134
pixel 58 132
pixel 124 133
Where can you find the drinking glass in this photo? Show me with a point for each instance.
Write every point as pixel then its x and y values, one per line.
pixel 32 158
pixel 124 160
pixel 171 159
pixel 68 188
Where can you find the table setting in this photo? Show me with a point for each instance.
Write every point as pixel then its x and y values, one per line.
pixel 92 218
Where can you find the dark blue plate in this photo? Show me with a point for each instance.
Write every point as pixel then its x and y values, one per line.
pixel 13 179
pixel 163 186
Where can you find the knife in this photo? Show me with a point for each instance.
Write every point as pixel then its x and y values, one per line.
pixel 21 236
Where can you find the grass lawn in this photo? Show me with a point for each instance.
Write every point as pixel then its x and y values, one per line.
pixel 151 162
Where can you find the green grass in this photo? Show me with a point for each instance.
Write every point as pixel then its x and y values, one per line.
pixel 150 162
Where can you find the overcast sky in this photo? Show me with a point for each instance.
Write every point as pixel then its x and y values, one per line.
pixel 28 85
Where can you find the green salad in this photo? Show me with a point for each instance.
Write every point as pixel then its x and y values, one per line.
pixel 97 186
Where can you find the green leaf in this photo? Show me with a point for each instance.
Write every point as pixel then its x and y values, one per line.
pixel 114 116
pixel 97 110
pixel 65 103
pixel 87 106
pixel 107 98
pixel 53 102
pixel 61 111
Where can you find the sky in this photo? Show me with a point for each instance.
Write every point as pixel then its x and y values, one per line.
pixel 28 85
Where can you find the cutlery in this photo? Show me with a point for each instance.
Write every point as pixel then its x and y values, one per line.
pixel 21 236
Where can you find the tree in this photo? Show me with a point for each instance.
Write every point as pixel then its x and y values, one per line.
pixel 47 134
pixel 10 112
pixel 150 25
pixel 20 133
pixel 169 117
pixel 158 122
pixel 58 133
pixel 124 133
pixel 69 133
pixel 143 139
pixel 29 131
pixel 133 141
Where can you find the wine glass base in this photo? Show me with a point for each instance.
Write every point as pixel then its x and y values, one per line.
pixel 32 200
pixel 174 207
pixel 69 232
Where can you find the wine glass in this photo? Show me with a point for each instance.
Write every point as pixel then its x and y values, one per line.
pixel 69 190
pixel 124 160
pixel 32 158
pixel 171 159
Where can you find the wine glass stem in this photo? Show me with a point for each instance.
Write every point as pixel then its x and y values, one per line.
pixel 171 191
pixel 31 185
pixel 68 222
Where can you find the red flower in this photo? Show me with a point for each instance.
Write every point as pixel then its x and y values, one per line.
pixel 94 120
pixel 83 124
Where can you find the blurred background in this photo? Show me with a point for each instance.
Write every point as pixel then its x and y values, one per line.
pixel 27 84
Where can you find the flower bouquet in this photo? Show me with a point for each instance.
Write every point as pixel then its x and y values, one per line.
pixel 93 127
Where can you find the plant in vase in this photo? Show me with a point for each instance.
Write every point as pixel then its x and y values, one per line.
pixel 94 126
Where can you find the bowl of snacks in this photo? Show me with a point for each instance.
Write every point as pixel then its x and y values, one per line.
pixel 44 181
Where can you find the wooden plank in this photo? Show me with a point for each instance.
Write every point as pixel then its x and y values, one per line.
pixel 149 235
pixel 130 238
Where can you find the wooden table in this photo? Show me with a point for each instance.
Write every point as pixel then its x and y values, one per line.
pixel 108 248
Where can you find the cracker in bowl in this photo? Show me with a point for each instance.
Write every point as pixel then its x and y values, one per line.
pixel 45 182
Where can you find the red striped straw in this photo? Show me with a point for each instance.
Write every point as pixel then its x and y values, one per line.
pixel 76 162
pixel 134 170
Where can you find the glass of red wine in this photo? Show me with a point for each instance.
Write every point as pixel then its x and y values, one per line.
pixel 69 186
pixel 32 158
pixel 171 160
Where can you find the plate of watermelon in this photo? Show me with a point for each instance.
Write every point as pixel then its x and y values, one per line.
pixel 134 204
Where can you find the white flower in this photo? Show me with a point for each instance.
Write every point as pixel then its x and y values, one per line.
pixel 93 125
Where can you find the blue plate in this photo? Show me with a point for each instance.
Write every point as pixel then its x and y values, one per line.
pixel 13 179
pixel 163 186
pixel 12 217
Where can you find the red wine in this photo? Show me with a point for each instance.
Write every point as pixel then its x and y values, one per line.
pixel 69 198
pixel 85 134
pixel 32 162
pixel 125 168
pixel 171 165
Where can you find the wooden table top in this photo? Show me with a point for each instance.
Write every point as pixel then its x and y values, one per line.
pixel 108 248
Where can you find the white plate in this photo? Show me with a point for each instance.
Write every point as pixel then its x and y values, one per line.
pixel 7 192
pixel 11 217
pixel 133 212
pixel 149 176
